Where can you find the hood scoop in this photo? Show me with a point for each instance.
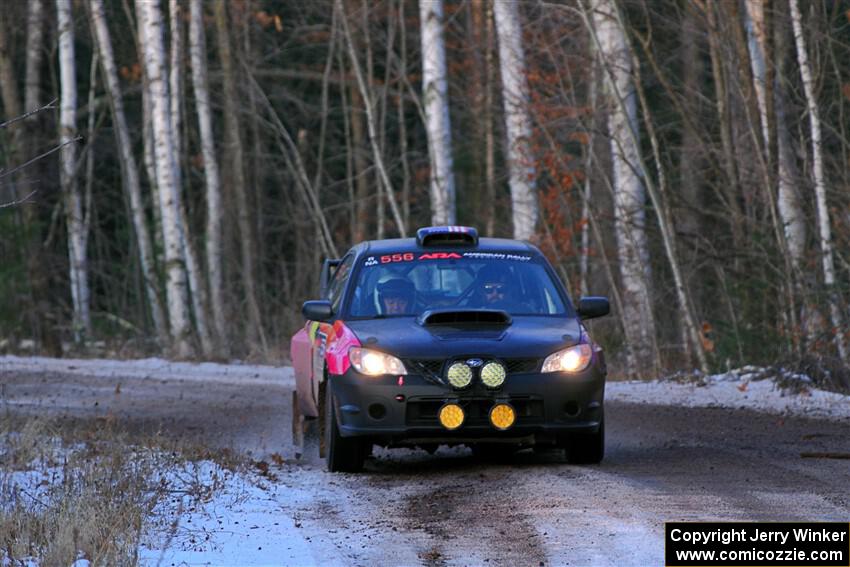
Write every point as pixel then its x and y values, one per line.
pixel 464 317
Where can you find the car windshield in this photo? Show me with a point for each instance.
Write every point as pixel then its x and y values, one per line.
pixel 409 283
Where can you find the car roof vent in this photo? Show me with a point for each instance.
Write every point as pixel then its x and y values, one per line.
pixel 447 236
pixel 464 316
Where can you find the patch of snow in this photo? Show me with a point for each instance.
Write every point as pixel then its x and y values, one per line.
pixel 157 368
pixel 240 524
pixel 749 387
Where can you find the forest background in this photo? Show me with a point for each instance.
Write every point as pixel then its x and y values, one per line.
pixel 173 173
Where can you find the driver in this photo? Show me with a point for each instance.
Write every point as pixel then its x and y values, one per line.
pixel 496 289
pixel 396 296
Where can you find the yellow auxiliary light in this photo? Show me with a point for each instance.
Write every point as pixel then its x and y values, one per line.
pixel 493 374
pixel 451 416
pixel 502 416
pixel 459 375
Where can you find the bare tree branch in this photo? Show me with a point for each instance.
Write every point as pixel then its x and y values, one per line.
pixel 19 201
pixel 4 173
pixel 48 106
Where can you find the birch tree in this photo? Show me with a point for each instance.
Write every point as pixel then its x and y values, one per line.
pixel 151 41
pixel 823 219
pixel 517 119
pixel 200 84
pixel 176 71
pixel 629 194
pixel 436 102
pixel 129 167
pixel 788 201
pixel 77 223
pixel 35 47
pixel 197 282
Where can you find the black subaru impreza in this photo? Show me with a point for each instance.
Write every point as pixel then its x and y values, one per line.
pixel 448 338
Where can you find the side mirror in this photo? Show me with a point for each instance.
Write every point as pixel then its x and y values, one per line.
pixel 317 310
pixel 590 307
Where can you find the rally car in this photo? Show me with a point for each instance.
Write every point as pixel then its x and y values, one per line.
pixel 448 338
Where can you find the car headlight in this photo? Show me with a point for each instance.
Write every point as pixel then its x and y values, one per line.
pixel 573 359
pixel 375 363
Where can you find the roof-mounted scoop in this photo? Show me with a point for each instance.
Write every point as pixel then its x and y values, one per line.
pixel 447 236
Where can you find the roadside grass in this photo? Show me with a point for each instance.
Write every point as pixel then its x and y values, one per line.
pixel 87 489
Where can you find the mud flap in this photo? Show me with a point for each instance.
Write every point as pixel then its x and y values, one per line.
pixel 320 424
pixel 298 425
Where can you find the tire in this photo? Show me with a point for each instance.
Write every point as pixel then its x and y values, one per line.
pixel 586 448
pixel 342 454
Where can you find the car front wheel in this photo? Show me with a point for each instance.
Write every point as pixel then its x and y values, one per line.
pixel 342 454
pixel 586 448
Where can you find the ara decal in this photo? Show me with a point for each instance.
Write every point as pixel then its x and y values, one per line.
pixel 440 256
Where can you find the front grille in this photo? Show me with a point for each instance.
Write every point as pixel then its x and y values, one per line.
pixel 425 366
pixel 521 365
pixel 435 366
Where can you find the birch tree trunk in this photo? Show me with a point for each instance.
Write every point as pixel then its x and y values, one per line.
pixel 176 71
pixel 517 119
pixel 150 164
pixel 197 282
pixel 789 225
pixel 824 227
pixel 151 40
pixel 200 83
pixel 629 193
pixel 438 125
pixel 35 41
pixel 788 201
pixel 235 152
pixel 77 230
pixel 129 168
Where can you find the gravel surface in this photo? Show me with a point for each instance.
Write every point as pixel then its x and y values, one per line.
pixel 664 463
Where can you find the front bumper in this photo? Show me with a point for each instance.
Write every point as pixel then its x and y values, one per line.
pixel 547 406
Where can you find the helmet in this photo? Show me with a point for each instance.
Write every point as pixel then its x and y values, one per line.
pixel 396 288
pixel 493 273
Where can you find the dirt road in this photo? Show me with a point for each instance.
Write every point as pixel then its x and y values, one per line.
pixel 663 463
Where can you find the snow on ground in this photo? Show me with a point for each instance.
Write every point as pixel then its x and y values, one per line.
pixel 750 387
pixel 158 368
pixel 241 524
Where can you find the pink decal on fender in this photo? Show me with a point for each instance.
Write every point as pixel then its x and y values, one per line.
pixel 339 342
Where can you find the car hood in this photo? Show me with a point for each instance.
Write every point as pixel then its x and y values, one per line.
pixel 524 337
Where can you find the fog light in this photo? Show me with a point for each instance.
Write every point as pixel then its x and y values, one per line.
pixel 502 416
pixel 459 375
pixel 493 374
pixel 451 416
